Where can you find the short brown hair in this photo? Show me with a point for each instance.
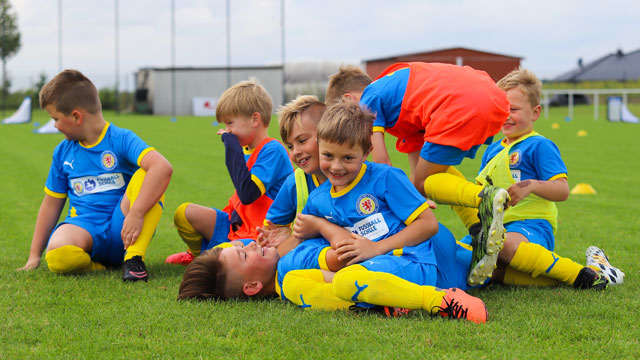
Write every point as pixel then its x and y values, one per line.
pixel 69 90
pixel 244 99
pixel 204 278
pixel 347 122
pixel 349 78
pixel 526 81
pixel 291 113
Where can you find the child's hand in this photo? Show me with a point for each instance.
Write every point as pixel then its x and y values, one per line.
pixel 305 227
pixel 131 229
pixel 358 249
pixel 222 131
pixel 432 204
pixel 519 191
pixel 272 235
pixel 32 263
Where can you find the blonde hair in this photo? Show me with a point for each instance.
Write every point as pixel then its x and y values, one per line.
pixel 244 99
pixel 526 81
pixel 348 78
pixel 291 113
pixel 347 123
pixel 69 90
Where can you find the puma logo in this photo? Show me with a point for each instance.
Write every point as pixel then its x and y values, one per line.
pixel 69 163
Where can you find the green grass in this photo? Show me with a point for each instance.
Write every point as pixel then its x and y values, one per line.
pixel 98 316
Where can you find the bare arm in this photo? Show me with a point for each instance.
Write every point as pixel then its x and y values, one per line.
pixel 308 226
pixel 379 154
pixel 553 190
pixel 155 183
pixel 48 216
pixel 360 249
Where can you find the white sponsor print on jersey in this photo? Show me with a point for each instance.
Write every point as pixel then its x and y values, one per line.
pixel 96 184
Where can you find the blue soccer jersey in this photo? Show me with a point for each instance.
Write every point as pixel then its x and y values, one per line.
pixel 271 168
pixel 283 210
pixel 535 158
pixel 384 98
pixel 95 177
pixel 310 254
pixel 380 202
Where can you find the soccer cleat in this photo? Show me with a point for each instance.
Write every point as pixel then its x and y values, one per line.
pixel 134 270
pixel 590 279
pixel 597 259
pixel 183 258
pixel 489 239
pixel 457 304
pixel 387 311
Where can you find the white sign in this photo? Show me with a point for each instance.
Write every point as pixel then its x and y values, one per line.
pixel 204 106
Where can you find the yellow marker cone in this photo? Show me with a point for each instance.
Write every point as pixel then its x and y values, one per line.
pixel 555 126
pixel 582 133
pixel 583 189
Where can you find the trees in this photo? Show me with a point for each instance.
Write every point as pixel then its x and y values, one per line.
pixel 9 42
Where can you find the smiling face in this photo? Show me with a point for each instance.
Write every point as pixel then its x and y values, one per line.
pixel 251 263
pixel 521 117
pixel 303 145
pixel 341 163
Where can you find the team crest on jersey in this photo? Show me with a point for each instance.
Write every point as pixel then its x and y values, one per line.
pixel 109 160
pixel 78 188
pixel 367 204
pixel 515 158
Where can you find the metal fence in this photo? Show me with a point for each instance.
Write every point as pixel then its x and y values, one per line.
pixel 595 93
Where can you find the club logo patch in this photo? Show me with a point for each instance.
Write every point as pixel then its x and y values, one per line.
pixel 109 160
pixel 78 188
pixel 367 204
pixel 515 158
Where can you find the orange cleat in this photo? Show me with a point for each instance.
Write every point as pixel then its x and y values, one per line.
pixel 457 304
pixel 183 258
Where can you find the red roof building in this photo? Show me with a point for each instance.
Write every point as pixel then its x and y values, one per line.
pixel 496 65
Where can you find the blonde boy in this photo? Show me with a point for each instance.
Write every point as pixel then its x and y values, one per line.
pixel 530 167
pixel 114 181
pixel 257 165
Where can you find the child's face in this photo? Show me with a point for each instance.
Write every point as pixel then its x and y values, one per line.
pixel 522 116
pixel 251 262
pixel 341 163
pixel 303 145
pixel 244 127
pixel 66 124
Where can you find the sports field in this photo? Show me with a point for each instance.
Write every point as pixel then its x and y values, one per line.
pixel 98 316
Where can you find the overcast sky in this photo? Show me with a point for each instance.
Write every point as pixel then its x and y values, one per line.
pixel 549 35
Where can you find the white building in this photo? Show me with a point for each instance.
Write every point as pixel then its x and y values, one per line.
pixel 155 92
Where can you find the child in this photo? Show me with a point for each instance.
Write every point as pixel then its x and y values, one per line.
pixel 529 166
pixel 257 174
pixel 114 181
pixel 298 128
pixel 440 114
pixel 371 200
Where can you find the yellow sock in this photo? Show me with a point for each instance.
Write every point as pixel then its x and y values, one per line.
pixel 189 235
pixel 151 218
pixel 468 215
pixel 519 278
pixel 70 259
pixel 357 284
pixel 307 289
pixel 452 188
pixel 535 260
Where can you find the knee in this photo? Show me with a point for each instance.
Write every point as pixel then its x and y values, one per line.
pixel 180 215
pixel 345 281
pixel 66 259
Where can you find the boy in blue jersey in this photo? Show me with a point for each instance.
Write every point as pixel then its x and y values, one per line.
pixel 257 165
pixel 114 181
pixel 397 269
pixel 440 113
pixel 298 121
pixel 530 167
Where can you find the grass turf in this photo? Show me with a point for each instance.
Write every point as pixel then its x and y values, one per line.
pixel 97 316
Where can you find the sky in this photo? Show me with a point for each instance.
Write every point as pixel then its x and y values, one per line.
pixel 550 36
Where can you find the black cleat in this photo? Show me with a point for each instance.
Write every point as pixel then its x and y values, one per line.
pixel 590 279
pixel 134 270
